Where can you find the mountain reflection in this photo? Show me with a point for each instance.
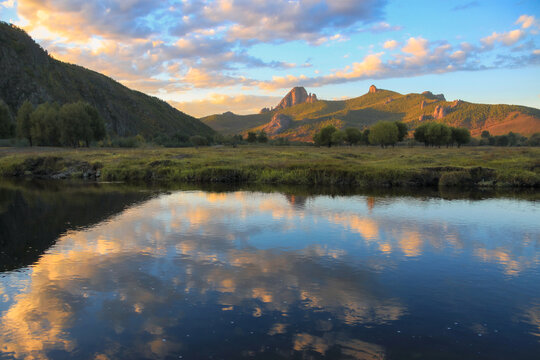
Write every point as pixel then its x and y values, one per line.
pixel 199 273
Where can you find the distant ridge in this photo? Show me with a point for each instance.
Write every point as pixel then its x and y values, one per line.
pixel 301 118
pixel 29 73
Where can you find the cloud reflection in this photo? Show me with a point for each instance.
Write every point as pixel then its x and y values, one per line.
pixel 150 274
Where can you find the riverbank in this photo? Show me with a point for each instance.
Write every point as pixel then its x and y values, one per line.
pixel 342 166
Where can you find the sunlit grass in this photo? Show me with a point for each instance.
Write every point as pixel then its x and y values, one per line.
pixel 398 166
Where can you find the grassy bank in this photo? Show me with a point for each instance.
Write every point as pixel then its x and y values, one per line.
pixel 356 166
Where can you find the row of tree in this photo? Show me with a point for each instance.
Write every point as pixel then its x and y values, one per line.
pixel 510 139
pixel 383 133
pixel 54 125
pixel 388 133
pixel 437 134
pixel 260 137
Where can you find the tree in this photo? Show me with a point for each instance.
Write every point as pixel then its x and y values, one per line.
pixel 324 136
pixel 338 137
pixel 97 124
pixel 420 134
pixel 261 137
pixel 6 126
pixel 461 136
pixel 485 134
pixel 353 136
pixel 502 140
pixel 384 133
pixel 198 140
pixel 365 137
pixel 438 134
pixel 75 124
pixel 403 130
pixel 24 123
pixel 252 137
pixel 534 140
pixel 45 124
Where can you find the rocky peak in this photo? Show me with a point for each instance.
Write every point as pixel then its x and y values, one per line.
pixel 264 110
pixel 432 96
pixel 297 95
pixel 373 89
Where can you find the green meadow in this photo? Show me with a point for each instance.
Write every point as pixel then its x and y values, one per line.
pixel 351 166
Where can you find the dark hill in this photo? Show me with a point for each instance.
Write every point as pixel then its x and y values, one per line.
pixel 27 72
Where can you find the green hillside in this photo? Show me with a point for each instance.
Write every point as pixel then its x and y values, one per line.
pixel 385 105
pixel 29 73
pixel 230 123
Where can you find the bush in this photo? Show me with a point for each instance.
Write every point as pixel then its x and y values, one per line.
pixel 198 140
pixel 534 140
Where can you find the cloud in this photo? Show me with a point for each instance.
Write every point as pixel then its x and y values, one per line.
pixel 528 21
pixel 164 47
pixel 390 44
pixel 8 4
pixel 382 27
pixel 507 38
pixel 220 103
pixel 416 47
pixel 466 6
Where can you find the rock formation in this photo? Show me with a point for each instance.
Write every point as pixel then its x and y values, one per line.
pixel 297 95
pixel 422 104
pixel 278 124
pixel 440 112
pixel 455 103
pixel 372 89
pixel 264 110
pixel 388 100
pixel 430 95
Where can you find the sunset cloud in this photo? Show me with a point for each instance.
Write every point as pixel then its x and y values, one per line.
pixel 390 44
pixel 168 48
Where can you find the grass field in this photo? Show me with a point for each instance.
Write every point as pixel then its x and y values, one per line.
pixel 356 166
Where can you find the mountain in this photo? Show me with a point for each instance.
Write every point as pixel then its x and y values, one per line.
pixel 301 120
pixel 29 73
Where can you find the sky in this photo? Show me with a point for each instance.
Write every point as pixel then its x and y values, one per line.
pixel 212 56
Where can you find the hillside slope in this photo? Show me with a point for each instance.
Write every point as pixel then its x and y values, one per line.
pixel 29 73
pixel 384 105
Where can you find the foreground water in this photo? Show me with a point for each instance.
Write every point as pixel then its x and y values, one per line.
pixel 114 272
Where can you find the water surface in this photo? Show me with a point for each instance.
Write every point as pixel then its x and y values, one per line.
pixel 243 274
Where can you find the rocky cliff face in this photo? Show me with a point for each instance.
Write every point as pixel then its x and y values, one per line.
pixel 440 112
pixel 372 89
pixel 297 95
pixel 278 124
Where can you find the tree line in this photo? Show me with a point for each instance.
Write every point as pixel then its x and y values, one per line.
pixel 54 125
pixel 382 133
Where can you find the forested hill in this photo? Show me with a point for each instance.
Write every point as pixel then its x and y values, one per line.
pixel 302 120
pixel 27 72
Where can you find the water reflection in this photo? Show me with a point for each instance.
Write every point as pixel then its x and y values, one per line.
pixel 244 274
